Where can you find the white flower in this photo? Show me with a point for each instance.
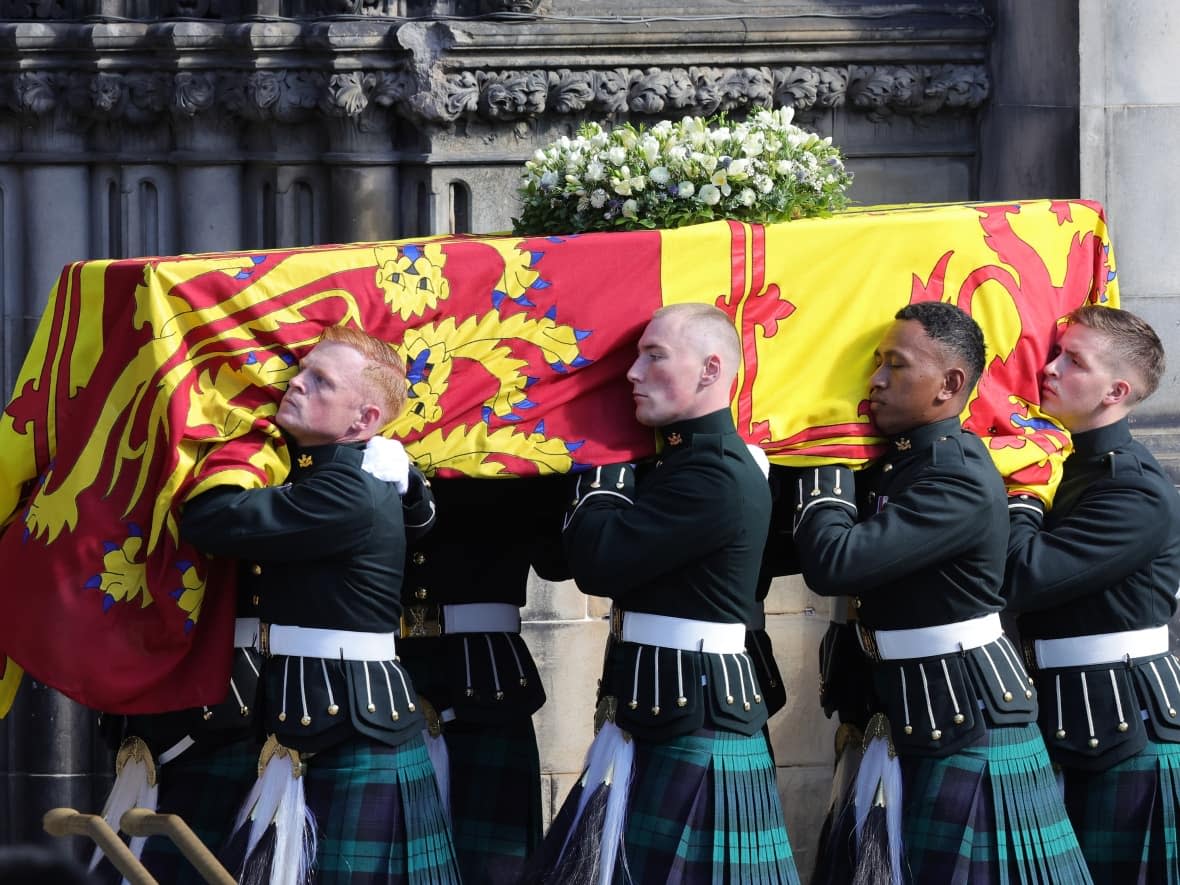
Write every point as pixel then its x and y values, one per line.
pixel 548 180
pixel 709 195
pixel 598 198
pixel 630 209
pixel 747 197
pixel 651 150
pixel 622 187
pixel 685 189
pixel 617 155
pixel 595 171
pixel 638 183
pixel 659 175
pixel 628 138
pixel 739 169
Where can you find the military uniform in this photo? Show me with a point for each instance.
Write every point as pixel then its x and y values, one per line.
pixel 205 758
pixel 679 552
pixel 1094 582
pixel 328 549
pixel 919 542
pixel 465 584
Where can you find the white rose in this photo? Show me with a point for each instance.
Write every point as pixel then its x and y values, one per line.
pixel 659 175
pixel 598 198
pixel 638 183
pixel 622 187
pixel 617 155
pixel 784 167
pixel 630 209
pixel 678 153
pixel 709 195
pixel 764 183
pixel 628 138
pixel 651 150
pixel 685 189
pixel 595 171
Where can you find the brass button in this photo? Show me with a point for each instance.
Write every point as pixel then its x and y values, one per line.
pixel 305 721
pixel 909 729
pixel 1123 726
pixel 936 735
pixel 1007 697
pixel 420 593
pixel 857 601
pixel 959 719
pixel 886 468
pixel 1060 734
pixel 1093 742
pixel 333 709
pixel 419 558
pixel 256 569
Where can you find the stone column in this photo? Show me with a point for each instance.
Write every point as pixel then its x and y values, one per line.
pixel 1130 118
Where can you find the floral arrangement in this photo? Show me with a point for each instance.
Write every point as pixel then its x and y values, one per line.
pixel 762 169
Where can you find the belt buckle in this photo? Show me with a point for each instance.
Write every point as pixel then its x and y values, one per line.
pixel 868 642
pixel 264 639
pixel 421 620
pixel 616 622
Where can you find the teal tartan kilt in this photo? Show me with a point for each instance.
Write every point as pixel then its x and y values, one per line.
pixel 205 787
pixel 378 816
pixel 1126 817
pixel 991 813
pixel 495 798
pixel 704 808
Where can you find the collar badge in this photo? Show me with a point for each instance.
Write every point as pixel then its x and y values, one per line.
pixel 305 460
pixel 903 444
pixel 674 439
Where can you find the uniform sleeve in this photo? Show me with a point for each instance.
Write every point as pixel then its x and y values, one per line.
pixel 547 554
pixel 1116 528
pixel 927 523
pixel 614 545
pixel 418 509
pixel 326 513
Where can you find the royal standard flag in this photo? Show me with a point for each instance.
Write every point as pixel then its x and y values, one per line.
pixel 154 378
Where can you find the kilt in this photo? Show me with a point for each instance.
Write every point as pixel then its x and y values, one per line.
pixel 990 813
pixel 378 817
pixel 704 808
pixel 205 786
pixel 493 838
pixel 1126 817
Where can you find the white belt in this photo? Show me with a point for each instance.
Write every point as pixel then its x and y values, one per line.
pixel 481 617
pixel 1101 648
pixel 312 642
pixel 683 633
pixel 929 642
pixel 245 632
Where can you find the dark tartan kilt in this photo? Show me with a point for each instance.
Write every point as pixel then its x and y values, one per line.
pixel 990 813
pixel 378 816
pixel 1126 817
pixel 705 808
pixel 205 787
pixel 495 798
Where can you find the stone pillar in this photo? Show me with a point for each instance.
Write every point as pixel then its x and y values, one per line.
pixel 1130 117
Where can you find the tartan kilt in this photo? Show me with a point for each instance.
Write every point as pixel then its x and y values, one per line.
pixel 495 798
pixel 1126 817
pixel 705 808
pixel 990 813
pixel 379 820
pixel 205 786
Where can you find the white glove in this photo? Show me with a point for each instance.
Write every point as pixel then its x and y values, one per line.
pixel 387 460
pixel 760 459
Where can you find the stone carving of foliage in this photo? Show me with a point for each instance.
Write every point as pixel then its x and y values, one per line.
pixel 509 95
pixel 708 89
pixel 147 94
pixel 569 91
pixel 682 93
pixel 391 88
pixel 831 88
pixel 649 91
pixel 610 90
pixel 347 93
pixel 35 93
pixel 36 9
pixel 797 87
pixel 194 92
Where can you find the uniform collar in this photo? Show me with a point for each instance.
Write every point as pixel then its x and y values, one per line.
pixel 1101 440
pixel 680 433
pixel 924 437
pixel 309 457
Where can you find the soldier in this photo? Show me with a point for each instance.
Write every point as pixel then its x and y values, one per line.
pixel 919 541
pixel 330 548
pixel 465 584
pixel 1094 582
pixel 202 760
pixel 679 783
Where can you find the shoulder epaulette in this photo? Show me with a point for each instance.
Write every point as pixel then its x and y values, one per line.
pixel 948 450
pixel 1124 463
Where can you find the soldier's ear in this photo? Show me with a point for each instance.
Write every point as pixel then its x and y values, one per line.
pixel 369 418
pixel 1119 393
pixel 710 370
pixel 953 382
